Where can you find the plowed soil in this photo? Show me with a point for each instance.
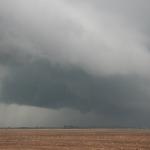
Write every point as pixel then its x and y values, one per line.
pixel 74 139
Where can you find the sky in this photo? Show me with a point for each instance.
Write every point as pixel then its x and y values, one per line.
pixel 75 62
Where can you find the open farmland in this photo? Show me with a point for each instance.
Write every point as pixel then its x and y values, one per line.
pixel 74 139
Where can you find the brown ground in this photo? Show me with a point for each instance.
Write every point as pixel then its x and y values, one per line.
pixel 86 139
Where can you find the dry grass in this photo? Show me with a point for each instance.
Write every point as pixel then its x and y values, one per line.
pixel 86 139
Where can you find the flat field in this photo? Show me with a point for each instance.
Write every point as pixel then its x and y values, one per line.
pixel 74 139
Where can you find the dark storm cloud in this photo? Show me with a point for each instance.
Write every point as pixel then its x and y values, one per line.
pixel 89 56
pixel 52 86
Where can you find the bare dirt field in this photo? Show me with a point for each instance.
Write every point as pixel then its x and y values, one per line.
pixel 74 139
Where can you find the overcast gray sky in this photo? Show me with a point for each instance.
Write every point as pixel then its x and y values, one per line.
pixel 76 62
